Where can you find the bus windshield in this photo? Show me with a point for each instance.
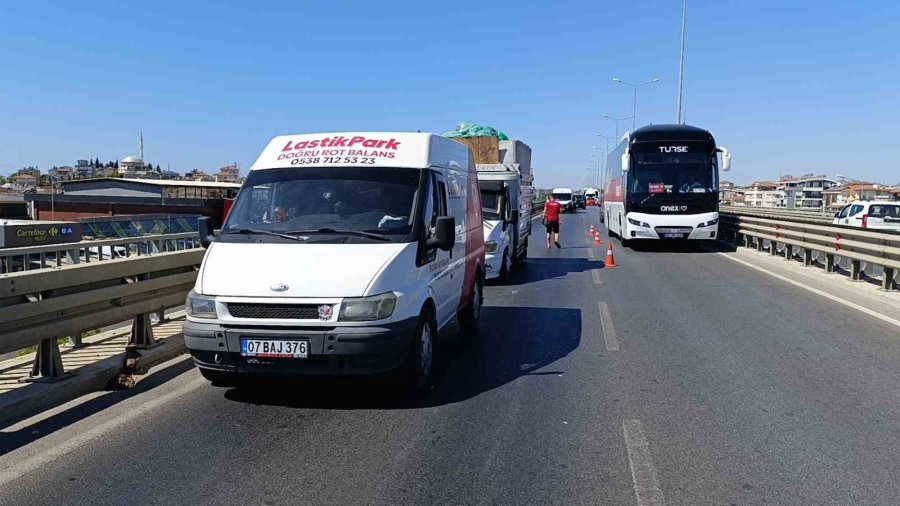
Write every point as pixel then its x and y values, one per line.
pixel 673 173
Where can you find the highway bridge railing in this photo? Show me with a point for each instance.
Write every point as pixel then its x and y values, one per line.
pixel 57 255
pixel 40 307
pixel 810 242
pixel 811 216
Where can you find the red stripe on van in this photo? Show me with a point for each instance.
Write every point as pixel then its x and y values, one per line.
pixel 474 238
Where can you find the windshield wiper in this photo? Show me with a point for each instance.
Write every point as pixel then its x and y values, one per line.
pixel 342 231
pixel 256 231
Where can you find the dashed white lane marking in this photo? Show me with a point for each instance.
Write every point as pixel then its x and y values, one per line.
pixel 591 254
pixel 606 325
pixel 595 273
pixel 643 474
pixel 20 469
pixel 827 295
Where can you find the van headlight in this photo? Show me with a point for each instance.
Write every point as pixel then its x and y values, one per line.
pixel 200 306
pixel 361 309
pixel 491 246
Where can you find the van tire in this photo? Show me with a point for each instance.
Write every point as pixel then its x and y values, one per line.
pixel 505 265
pixel 221 378
pixel 471 314
pixel 418 367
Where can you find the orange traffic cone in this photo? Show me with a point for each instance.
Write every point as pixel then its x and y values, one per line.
pixel 592 229
pixel 610 259
pixel 597 241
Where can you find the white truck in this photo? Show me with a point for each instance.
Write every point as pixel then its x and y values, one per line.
pixel 506 194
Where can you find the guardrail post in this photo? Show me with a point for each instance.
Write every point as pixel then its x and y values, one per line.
pixel 48 366
pixel 855 270
pixel 807 257
pixel 829 262
pixel 142 332
pixel 773 248
pixel 156 247
pixel 759 244
pixel 887 281
pixel 788 252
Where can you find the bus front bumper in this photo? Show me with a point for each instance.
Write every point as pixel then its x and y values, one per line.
pixel 702 226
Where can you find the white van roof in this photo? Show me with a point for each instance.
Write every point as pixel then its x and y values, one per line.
pixel 562 190
pixel 368 149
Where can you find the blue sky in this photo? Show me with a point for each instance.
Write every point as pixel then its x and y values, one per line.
pixel 789 87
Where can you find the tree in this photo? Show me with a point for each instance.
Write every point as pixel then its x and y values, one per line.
pixel 2 180
pixel 96 163
pixel 157 168
pixel 117 164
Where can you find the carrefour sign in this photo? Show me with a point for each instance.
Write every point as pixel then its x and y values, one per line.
pixel 21 233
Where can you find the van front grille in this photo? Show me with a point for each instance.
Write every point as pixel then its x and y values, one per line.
pixel 276 311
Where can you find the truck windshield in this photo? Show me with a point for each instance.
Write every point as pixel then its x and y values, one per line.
pixel 330 200
pixel 490 204
pixel 657 173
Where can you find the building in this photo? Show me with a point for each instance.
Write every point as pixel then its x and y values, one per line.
pixel 839 196
pixel 805 192
pixel 229 174
pixel 24 181
pixel 132 165
pixel 84 169
pixel 13 206
pixel 762 194
pixel 63 173
pixel 87 198
pixel 199 176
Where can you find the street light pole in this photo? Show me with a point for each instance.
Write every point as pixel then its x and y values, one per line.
pixel 606 154
pixel 617 120
pixel 681 59
pixel 634 104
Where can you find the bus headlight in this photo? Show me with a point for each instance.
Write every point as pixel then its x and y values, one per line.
pixel 637 223
pixel 491 246
pixel 376 307
pixel 200 306
pixel 709 223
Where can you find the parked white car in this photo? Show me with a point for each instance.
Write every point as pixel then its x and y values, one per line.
pixel 873 214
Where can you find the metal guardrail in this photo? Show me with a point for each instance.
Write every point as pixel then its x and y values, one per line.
pixel 799 239
pixel 816 216
pixel 57 255
pixel 40 307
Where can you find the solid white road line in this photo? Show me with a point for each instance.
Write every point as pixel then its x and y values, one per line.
pixel 643 474
pixel 606 325
pixel 827 295
pixel 20 469
pixel 595 273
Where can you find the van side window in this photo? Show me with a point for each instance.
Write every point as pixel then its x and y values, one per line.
pixel 844 212
pixel 855 209
pixel 442 194
pixel 430 215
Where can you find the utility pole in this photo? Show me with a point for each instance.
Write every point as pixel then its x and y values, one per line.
pixel 681 62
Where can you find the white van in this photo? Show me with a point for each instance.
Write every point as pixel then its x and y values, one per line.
pixel 566 199
pixel 344 253
pixel 877 215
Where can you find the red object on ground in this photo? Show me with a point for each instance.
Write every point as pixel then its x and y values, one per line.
pixel 597 241
pixel 610 259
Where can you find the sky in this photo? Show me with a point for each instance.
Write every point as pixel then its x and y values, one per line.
pixel 790 87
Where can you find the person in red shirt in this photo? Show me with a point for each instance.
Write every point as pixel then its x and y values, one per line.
pixel 551 220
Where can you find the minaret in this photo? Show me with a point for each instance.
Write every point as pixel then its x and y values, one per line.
pixel 141 149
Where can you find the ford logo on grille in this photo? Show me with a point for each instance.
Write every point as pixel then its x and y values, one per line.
pixel 279 288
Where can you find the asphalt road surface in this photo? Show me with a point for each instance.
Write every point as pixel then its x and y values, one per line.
pixel 677 377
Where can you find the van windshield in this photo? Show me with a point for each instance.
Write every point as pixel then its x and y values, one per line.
pixel 333 201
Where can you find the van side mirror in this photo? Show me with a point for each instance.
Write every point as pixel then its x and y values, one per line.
pixel 204 227
pixel 514 216
pixel 626 162
pixel 445 234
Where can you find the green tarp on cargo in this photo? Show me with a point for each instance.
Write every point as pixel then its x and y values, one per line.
pixel 473 130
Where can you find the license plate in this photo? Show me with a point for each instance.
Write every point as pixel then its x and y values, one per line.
pixel 673 236
pixel 274 348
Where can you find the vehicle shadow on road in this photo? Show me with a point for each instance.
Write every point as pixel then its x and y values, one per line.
pixel 539 269
pixel 681 246
pixel 512 342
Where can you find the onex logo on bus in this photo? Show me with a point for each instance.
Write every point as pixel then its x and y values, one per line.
pixel 673 149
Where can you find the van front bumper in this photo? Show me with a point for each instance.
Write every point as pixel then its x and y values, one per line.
pixel 332 350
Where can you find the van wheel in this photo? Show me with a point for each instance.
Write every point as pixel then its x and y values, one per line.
pixel 469 317
pixel 420 358
pixel 221 378
pixel 504 268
